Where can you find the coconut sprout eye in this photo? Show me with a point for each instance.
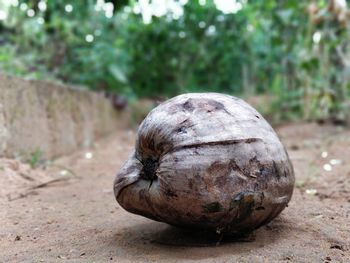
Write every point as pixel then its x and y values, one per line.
pixel 206 161
pixel 149 168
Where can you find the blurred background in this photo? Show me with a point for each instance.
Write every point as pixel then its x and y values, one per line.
pixel 60 148
pixel 288 58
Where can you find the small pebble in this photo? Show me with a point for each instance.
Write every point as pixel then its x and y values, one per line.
pixel 335 161
pixel 324 154
pixel 88 155
pixel 294 147
pixel 63 172
pixel 327 167
pixel 336 246
pixel 311 191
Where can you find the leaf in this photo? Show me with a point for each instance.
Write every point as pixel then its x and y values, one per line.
pixel 117 73
pixel 285 15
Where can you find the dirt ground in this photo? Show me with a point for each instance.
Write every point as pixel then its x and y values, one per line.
pixel 67 212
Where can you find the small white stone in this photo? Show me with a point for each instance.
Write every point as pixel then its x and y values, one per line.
pixel 88 155
pixel 327 167
pixel 63 172
pixel 311 191
pixel 335 161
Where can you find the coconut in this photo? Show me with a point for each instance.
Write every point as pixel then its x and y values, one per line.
pixel 208 161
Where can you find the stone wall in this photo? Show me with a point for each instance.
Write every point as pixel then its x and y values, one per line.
pixel 51 118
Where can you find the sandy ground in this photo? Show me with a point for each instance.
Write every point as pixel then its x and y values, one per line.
pixel 67 212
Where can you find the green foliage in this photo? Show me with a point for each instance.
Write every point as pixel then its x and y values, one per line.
pixel 35 158
pixel 53 45
pixel 301 58
pixel 202 50
pixel 294 51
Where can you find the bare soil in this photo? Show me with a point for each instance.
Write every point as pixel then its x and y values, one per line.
pixel 66 212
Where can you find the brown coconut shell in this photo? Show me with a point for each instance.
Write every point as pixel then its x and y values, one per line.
pixel 209 161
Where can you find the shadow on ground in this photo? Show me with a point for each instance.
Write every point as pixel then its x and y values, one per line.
pixel 172 242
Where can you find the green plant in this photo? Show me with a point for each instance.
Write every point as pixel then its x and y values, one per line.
pixel 35 158
pixel 294 51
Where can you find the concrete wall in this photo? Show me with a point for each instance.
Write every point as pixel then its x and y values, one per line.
pixel 52 118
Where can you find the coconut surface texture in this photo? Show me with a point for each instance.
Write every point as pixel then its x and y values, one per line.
pixel 209 161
